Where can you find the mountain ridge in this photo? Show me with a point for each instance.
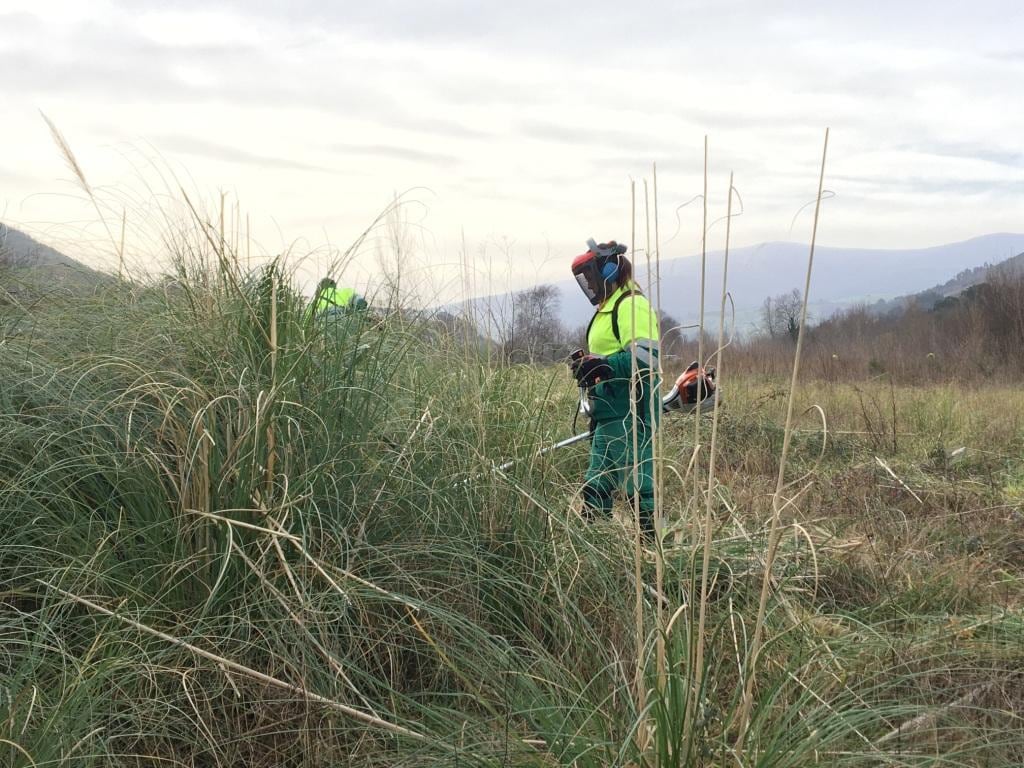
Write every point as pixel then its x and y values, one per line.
pixel 968 278
pixel 842 277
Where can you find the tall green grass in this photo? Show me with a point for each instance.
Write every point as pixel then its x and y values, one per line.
pixel 314 503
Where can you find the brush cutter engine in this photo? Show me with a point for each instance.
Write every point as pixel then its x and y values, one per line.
pixel 695 390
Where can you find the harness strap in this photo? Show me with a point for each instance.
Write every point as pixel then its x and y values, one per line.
pixel 615 314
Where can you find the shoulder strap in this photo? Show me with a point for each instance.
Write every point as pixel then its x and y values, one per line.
pixel 586 336
pixel 615 312
pixel 615 315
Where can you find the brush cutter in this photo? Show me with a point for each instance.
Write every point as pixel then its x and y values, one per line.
pixel 696 391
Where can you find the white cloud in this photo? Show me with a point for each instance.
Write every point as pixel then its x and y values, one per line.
pixel 527 120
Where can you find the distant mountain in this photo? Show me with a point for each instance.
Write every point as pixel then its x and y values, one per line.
pixel 842 277
pixel 968 278
pixel 22 255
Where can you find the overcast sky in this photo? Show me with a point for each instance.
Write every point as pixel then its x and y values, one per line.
pixel 520 124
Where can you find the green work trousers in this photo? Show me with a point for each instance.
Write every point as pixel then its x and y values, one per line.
pixel 611 468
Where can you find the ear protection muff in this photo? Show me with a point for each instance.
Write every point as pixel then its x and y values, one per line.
pixel 610 268
pixel 608 258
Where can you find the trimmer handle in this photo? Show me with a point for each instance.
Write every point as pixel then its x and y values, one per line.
pixel 574 359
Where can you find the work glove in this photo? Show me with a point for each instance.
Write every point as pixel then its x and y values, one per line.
pixel 590 370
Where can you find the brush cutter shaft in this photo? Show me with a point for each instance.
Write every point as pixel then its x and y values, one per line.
pixel 674 402
pixel 561 444
pixel 669 404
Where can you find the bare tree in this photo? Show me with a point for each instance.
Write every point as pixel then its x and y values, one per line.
pixel 13 264
pixel 672 337
pixel 11 258
pixel 768 317
pixel 780 315
pixel 535 332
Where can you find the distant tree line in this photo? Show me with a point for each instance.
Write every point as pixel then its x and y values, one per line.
pixel 529 329
pixel 972 336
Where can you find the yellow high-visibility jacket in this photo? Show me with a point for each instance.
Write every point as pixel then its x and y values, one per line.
pixel 624 321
